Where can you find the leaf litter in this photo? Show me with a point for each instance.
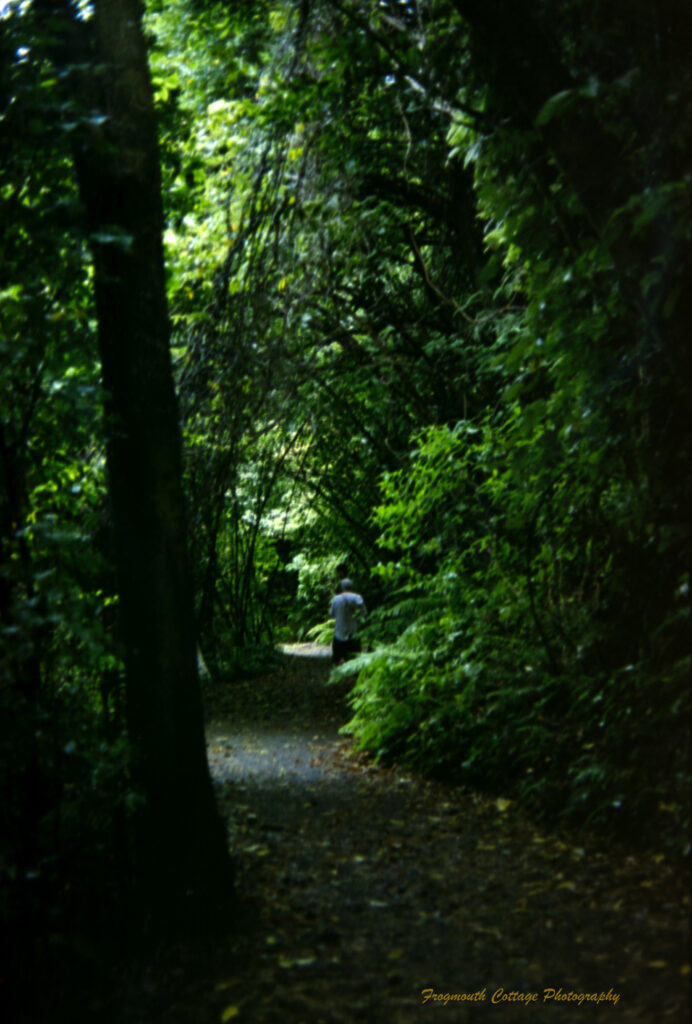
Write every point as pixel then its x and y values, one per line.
pixel 366 887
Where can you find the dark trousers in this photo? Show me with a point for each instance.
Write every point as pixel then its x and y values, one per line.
pixel 342 650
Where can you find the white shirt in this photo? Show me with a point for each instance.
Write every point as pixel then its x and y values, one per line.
pixel 344 610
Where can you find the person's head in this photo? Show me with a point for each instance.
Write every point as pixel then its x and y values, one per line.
pixel 347 585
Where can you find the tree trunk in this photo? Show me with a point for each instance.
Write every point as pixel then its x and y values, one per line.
pixel 182 862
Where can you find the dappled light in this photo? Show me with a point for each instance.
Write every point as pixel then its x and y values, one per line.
pixel 258 745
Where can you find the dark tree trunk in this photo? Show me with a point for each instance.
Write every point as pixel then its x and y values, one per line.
pixel 182 862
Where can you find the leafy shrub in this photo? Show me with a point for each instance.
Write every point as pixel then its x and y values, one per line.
pixel 499 661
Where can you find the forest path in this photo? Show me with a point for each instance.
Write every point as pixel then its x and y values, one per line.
pixel 372 885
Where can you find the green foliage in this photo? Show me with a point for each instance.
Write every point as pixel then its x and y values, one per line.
pixel 62 749
pixel 427 277
pixel 305 335
pixel 551 532
pixel 497 675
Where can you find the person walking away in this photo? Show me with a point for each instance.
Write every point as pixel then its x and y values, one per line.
pixel 347 608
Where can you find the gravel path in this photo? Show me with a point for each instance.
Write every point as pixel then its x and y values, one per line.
pixel 372 895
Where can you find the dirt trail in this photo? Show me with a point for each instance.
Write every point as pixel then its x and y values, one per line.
pixel 378 894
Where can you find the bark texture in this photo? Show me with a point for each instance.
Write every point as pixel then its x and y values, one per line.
pixel 181 853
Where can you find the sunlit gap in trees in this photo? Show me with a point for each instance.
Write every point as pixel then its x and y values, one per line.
pixel 84 9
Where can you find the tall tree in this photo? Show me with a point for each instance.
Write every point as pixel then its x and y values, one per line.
pixel 117 165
